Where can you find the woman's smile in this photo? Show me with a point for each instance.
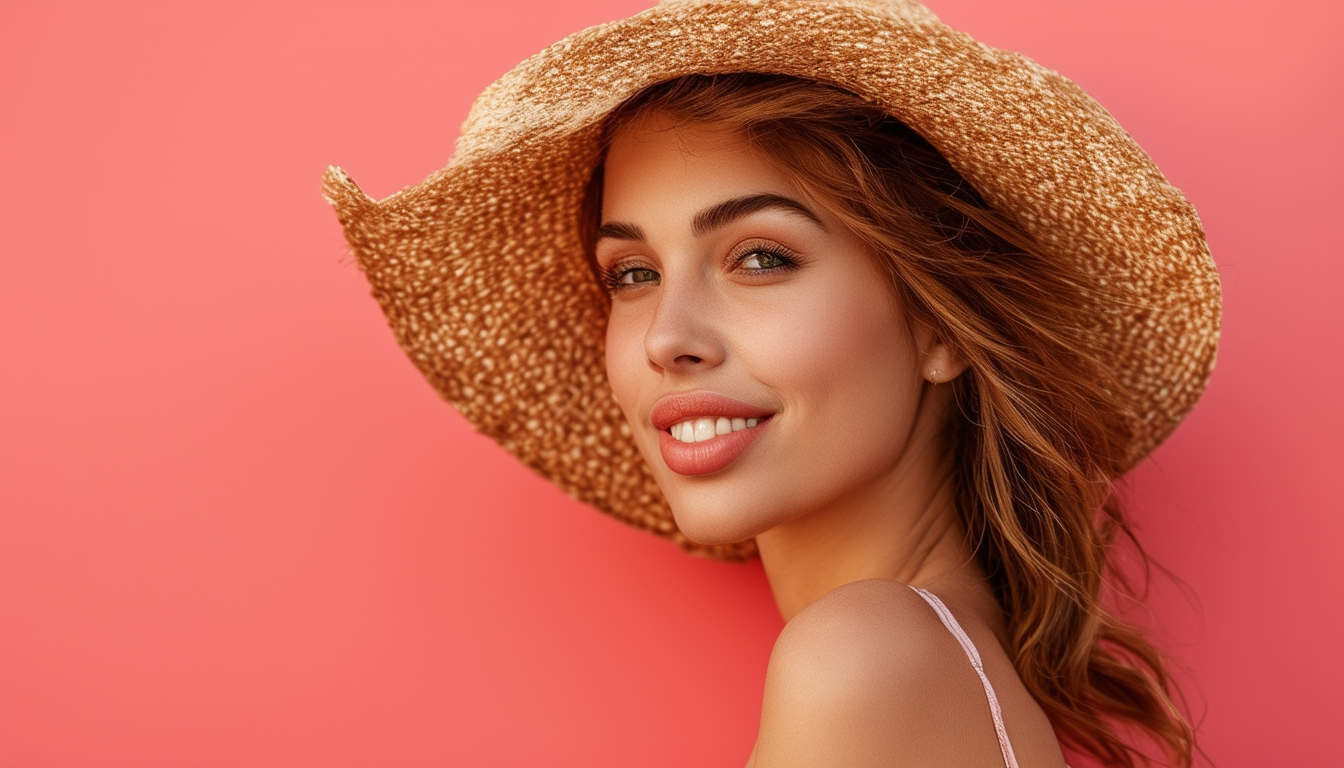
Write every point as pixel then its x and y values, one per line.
pixel 705 432
pixel 754 342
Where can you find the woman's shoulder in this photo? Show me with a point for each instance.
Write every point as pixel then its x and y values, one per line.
pixel 868 674
pixel 864 618
pixel 863 634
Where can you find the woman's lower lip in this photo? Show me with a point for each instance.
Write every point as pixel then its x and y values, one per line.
pixel 710 456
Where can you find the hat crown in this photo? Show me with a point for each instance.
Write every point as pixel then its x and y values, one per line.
pixel 905 9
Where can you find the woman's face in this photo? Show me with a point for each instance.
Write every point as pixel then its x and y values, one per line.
pixel 755 343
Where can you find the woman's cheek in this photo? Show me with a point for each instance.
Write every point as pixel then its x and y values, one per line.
pixel 813 335
pixel 625 359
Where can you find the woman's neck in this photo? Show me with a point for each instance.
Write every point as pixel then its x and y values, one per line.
pixel 903 525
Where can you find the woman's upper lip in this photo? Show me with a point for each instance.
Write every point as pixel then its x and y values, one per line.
pixel 674 409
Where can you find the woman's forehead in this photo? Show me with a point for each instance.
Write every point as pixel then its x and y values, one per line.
pixel 662 166
pixel 664 133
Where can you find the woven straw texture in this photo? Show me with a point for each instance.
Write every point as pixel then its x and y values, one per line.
pixel 481 271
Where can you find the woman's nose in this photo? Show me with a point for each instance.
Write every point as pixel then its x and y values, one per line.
pixel 683 336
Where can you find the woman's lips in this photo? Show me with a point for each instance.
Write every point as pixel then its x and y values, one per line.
pixel 705 456
pixel 712 455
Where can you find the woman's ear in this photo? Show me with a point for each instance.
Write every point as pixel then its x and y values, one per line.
pixel 939 362
pixel 942 365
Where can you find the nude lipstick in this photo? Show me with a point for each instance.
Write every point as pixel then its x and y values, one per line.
pixel 715 430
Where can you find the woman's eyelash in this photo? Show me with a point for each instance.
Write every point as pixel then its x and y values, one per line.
pixel 614 277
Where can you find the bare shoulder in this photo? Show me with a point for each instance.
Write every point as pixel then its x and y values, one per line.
pixel 868 675
pixel 874 638
pixel 877 621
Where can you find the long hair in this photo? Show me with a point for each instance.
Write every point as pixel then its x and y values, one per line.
pixel 1039 438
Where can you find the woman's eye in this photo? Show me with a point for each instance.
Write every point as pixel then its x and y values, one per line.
pixel 638 275
pixel 629 277
pixel 759 260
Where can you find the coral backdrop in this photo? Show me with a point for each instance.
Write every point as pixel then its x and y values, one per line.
pixel 237 528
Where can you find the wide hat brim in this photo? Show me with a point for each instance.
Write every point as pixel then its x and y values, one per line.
pixel 481 271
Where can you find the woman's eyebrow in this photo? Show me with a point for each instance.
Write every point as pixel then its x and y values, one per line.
pixel 621 231
pixel 730 210
pixel 715 216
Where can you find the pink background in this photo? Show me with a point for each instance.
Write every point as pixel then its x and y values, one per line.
pixel 237 528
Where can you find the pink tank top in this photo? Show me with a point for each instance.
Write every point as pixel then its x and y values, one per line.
pixel 949 621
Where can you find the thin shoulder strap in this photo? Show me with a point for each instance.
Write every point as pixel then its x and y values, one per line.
pixel 950 622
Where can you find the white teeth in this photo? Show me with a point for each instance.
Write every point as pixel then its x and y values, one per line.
pixel 704 429
pixel 699 430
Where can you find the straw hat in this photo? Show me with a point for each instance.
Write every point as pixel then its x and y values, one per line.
pixel 482 274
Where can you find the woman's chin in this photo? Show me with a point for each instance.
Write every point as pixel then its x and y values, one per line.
pixel 713 527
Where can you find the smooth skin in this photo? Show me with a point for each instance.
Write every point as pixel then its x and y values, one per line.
pixel 727 278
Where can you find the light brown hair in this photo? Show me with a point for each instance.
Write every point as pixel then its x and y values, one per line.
pixel 1040 437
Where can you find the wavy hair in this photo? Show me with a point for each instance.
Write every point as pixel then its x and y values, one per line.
pixel 1040 436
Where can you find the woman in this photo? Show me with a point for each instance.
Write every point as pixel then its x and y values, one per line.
pixel 899 332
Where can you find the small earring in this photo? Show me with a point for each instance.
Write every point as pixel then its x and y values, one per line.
pixel 933 375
